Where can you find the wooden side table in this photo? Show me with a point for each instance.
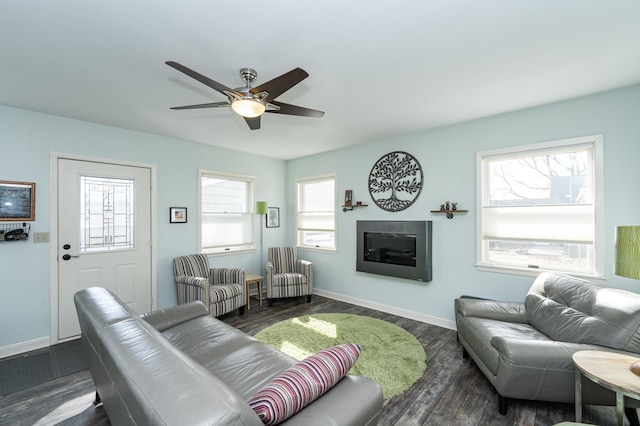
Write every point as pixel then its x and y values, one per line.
pixel 253 279
pixel 609 370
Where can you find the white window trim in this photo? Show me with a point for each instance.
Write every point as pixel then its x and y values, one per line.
pixel 254 244
pixel 335 216
pixel 598 153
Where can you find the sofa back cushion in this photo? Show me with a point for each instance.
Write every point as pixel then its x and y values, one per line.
pixel 284 259
pixel 572 310
pixel 194 265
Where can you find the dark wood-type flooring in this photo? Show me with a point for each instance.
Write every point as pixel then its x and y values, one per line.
pixel 452 391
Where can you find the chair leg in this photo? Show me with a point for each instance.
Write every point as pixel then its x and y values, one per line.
pixel 98 400
pixel 465 354
pixel 502 404
pixel 308 298
pixel 241 310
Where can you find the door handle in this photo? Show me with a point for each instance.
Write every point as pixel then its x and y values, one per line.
pixel 68 256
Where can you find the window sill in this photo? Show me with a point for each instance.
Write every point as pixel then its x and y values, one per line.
pixel 228 252
pixel 529 272
pixel 317 249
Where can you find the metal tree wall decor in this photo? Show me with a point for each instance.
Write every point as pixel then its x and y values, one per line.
pixel 395 181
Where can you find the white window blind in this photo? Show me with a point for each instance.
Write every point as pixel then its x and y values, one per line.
pixel 567 223
pixel 226 216
pixel 315 219
pixel 538 207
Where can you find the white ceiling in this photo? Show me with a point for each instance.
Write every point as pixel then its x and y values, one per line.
pixel 377 68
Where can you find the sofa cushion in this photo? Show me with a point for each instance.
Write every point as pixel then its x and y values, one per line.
pixel 236 358
pixel 303 383
pixel 573 310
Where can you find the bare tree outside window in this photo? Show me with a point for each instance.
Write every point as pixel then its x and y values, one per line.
pixel 535 180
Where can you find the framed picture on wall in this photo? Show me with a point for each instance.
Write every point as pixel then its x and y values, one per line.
pixel 348 197
pixel 17 201
pixel 177 215
pixel 273 217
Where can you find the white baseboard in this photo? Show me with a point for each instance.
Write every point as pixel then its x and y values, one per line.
pixel 428 319
pixel 22 347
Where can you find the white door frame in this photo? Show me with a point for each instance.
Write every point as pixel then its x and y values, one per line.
pixel 53 232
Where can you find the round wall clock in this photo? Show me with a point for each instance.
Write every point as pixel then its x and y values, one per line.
pixel 395 181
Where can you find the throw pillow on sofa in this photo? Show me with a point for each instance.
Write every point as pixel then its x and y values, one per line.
pixel 302 383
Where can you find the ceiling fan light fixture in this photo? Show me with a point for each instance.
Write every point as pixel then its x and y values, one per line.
pixel 248 108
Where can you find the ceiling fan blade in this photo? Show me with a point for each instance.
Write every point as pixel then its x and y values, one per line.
pixel 253 122
pixel 295 110
pixel 210 105
pixel 201 78
pixel 281 84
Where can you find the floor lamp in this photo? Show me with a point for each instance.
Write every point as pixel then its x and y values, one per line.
pixel 628 261
pixel 261 209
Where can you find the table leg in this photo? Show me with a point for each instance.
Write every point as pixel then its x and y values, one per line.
pixel 247 289
pixel 620 408
pixel 260 291
pixel 578 396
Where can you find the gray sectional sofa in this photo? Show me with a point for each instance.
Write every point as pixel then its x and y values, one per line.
pixel 525 349
pixel 181 366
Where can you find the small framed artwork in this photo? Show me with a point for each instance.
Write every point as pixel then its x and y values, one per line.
pixel 17 201
pixel 273 217
pixel 348 197
pixel 177 215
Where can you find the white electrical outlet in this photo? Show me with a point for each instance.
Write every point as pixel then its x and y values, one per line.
pixel 40 237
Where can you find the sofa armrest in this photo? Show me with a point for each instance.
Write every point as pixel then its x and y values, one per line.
pixel 268 271
pixel 191 281
pixel 170 317
pixel 492 309
pixel 355 400
pixel 192 288
pixel 304 267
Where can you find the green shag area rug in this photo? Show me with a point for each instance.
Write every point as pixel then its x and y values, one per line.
pixel 390 355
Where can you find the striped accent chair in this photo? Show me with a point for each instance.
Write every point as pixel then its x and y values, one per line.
pixel 288 276
pixel 220 289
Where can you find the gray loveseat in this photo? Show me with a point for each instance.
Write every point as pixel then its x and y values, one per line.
pixel 181 366
pixel 525 349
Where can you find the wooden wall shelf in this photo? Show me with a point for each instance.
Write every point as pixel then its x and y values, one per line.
pixel 353 206
pixel 449 213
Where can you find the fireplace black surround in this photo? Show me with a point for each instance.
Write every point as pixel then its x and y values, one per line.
pixel 395 248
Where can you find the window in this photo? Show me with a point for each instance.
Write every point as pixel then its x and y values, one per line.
pixel 316 218
pixel 227 219
pixel 539 207
pixel 106 214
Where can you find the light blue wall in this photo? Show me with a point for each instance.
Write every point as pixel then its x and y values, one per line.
pixel 447 156
pixel 26 141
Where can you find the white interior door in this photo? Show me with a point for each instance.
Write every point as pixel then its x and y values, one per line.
pixel 104 235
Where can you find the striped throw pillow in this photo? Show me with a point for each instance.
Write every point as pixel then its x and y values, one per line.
pixel 303 383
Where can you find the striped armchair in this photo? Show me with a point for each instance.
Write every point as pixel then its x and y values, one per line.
pixel 288 276
pixel 220 289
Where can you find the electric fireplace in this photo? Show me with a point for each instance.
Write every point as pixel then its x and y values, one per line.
pixel 395 248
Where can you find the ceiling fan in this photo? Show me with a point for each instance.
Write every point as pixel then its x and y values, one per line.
pixel 252 102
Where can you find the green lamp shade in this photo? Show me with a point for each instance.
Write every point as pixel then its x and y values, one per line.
pixel 261 207
pixel 628 251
